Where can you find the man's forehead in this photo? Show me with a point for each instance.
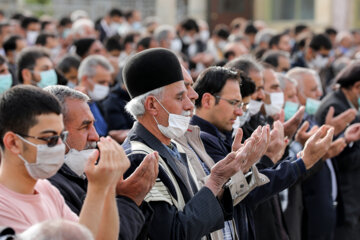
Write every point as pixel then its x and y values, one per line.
pixel 78 110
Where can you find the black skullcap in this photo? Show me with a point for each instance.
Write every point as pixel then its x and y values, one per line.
pixel 151 69
pixel 83 45
pixel 349 75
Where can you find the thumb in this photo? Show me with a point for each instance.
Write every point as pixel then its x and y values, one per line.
pixel 304 127
pixel 282 116
pixel 329 115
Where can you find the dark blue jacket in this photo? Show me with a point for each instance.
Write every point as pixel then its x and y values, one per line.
pixel 281 176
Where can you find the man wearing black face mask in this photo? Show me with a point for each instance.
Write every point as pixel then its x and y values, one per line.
pixel 70 179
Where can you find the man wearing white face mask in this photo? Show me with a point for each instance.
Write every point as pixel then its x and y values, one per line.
pixel 71 180
pixel 160 105
pixel 94 77
pixel 31 27
pixel 36 68
pixel 32 142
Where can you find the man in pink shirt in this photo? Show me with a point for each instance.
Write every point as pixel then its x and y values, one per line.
pixel 31 138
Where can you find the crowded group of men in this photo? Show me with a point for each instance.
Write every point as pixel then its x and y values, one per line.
pixel 124 128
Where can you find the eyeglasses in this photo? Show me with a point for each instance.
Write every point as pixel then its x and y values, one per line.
pixel 234 103
pixel 51 141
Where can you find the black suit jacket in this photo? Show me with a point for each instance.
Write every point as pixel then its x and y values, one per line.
pixel 347 163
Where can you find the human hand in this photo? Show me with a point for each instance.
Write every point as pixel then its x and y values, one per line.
pixel 335 149
pixel 302 136
pixel 112 164
pixel 317 145
pixel 341 121
pixel 140 182
pixel 352 133
pixel 277 143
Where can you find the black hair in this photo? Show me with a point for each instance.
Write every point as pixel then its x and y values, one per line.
pixel 27 59
pixel 272 57
pixel 274 41
pixel 19 107
pixel 44 23
pixel 250 29
pixel 26 21
pixel 68 62
pixel 189 24
pixel 349 75
pixel 144 42
pixel 64 21
pixel 299 28
pixel 10 43
pixel 43 37
pixel 129 14
pixel 222 31
pixel 17 16
pixel 115 12
pixel 212 80
pixel 247 87
pixel 330 31
pixel 244 64
pixel 83 45
pixel 113 43
pixel 320 41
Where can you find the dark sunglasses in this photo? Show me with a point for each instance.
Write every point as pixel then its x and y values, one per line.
pixel 51 141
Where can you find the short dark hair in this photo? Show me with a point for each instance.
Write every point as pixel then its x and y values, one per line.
pixel 113 43
pixel 26 21
pixel 43 37
pixel 27 59
pixel 349 75
pixel 115 12
pixel 222 31
pixel 68 62
pixel 274 41
pixel 299 28
pixel 247 87
pixel 128 14
pixel 10 43
pixel 189 24
pixel 250 28
pixel 144 42
pixel 320 41
pixel 19 107
pixel 212 80
pixel 64 21
pixel 44 23
pixel 272 57
pixel 245 64
pixel 330 31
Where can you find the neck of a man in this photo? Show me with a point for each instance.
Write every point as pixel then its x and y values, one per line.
pixel 349 96
pixel 152 127
pixel 14 175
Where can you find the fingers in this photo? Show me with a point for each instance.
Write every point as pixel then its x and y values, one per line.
pixel 327 139
pixel 299 114
pixel 282 116
pixel 92 159
pixel 348 116
pixel 237 140
pixel 304 127
pixel 329 115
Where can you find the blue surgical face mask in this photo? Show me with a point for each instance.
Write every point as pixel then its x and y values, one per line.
pixel 312 106
pixel 5 82
pixel 290 109
pixel 48 78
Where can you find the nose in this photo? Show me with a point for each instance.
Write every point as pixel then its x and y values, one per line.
pixel 192 94
pixel 238 111
pixel 261 94
pixel 188 105
pixel 93 135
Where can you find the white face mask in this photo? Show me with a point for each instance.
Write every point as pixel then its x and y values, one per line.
pixel 187 39
pixel 204 35
pixel 319 62
pixel 178 124
pixel 99 92
pixel 76 160
pixel 48 160
pixel 254 107
pixel 221 44
pixel 176 45
pixel 277 102
pixel 241 120
pixel 31 37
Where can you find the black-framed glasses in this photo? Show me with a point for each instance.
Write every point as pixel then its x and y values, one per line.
pixel 234 103
pixel 52 140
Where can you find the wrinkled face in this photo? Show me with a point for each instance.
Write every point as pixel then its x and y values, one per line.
pixel 257 77
pixel 309 89
pixel 271 83
pixel 102 77
pixel 79 122
pixel 290 93
pixel 47 125
pixel 191 94
pixel 222 113
pixel 174 100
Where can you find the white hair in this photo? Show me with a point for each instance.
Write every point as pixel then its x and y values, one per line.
pixel 297 73
pixel 283 80
pixel 78 27
pixel 161 33
pixel 136 106
pixel 57 230
pixel 89 64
